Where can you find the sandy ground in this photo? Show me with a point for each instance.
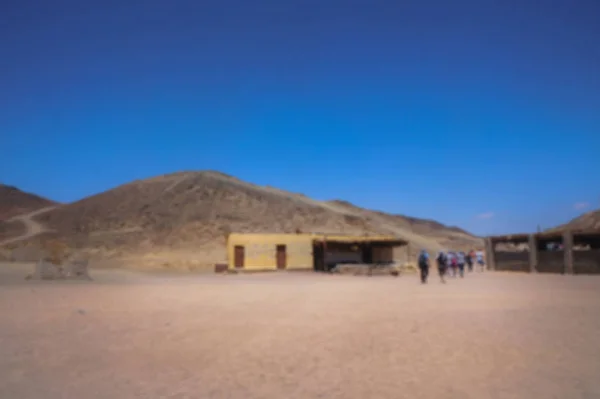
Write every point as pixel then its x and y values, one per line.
pixel 290 335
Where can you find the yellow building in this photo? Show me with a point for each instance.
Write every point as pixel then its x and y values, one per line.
pixel 255 251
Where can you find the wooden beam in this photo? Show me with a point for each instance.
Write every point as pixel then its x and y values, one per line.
pixel 568 251
pixel 533 253
pixel 490 254
pixel 324 254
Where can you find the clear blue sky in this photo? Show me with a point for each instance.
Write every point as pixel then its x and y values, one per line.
pixel 478 113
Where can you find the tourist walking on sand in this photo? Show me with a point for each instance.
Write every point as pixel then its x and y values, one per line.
pixel 424 265
pixel 460 260
pixel 452 262
pixel 441 264
pixel 470 260
pixel 480 262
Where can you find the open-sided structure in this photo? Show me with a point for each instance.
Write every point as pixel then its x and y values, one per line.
pixel 569 252
pixel 254 251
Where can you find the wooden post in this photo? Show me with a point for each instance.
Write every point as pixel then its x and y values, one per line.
pixel 489 254
pixel 568 251
pixel 366 248
pixel 325 254
pixel 533 253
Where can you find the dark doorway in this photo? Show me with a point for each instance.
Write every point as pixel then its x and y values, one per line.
pixel 318 256
pixel 281 257
pixel 367 254
pixel 238 256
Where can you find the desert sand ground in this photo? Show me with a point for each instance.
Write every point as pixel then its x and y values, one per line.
pixel 289 335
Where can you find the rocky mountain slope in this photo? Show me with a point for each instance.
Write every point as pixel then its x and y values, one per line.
pixel 189 214
pixel 587 221
pixel 14 202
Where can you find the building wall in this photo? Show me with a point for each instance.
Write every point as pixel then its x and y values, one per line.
pixel 400 254
pixel 586 262
pixel 569 259
pixel 551 262
pixel 260 250
pixel 383 254
pixel 380 254
pixel 342 256
pixel 512 261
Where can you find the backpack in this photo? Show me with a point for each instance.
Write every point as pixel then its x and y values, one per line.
pixel 423 260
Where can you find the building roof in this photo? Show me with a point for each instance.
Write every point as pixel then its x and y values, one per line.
pixel 547 235
pixel 381 239
pixel 339 238
pixel 524 237
pixel 519 237
pixel 586 232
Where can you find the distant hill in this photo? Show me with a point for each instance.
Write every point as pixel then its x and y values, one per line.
pixel 189 214
pixel 587 221
pixel 422 233
pixel 14 202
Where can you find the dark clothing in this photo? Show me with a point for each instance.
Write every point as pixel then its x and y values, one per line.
pixel 442 272
pixel 461 269
pixel 424 266
pixel 424 269
pixel 470 263
pixel 441 264
pixel 441 260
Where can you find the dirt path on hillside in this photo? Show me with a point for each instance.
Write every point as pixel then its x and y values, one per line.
pixel 32 227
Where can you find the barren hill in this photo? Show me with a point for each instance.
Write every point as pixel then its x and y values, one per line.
pixel 587 221
pixel 14 202
pixel 191 213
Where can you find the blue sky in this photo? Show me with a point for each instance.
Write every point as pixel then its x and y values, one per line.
pixel 483 114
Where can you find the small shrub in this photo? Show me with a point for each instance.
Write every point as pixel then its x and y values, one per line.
pixel 57 251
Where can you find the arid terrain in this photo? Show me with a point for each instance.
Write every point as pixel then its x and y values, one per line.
pixel 587 221
pixel 15 202
pixel 182 220
pixel 296 335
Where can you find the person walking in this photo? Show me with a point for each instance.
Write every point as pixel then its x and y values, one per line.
pixel 452 262
pixel 470 260
pixel 480 261
pixel 441 264
pixel 424 265
pixel 460 261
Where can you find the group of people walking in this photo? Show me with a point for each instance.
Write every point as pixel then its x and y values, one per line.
pixel 450 263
